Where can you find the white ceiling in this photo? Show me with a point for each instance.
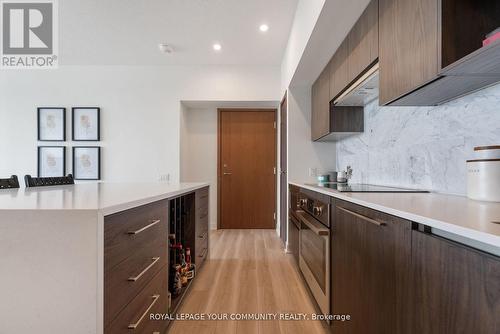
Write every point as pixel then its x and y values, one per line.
pixel 127 32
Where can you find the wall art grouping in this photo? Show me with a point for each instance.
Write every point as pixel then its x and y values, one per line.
pixel 85 126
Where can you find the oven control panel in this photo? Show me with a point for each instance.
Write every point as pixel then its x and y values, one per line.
pixel 316 208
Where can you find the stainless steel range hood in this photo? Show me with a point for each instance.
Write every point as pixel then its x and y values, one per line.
pixel 362 91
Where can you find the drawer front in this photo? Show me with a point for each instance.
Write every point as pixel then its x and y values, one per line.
pixel 202 197
pixel 129 277
pixel 202 223
pixel 128 231
pixel 375 216
pixel 135 317
pixel 202 212
pixel 201 250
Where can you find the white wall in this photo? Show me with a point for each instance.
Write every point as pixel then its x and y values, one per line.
pixel 319 27
pixel 140 111
pixel 199 151
pixel 302 152
pixel 305 18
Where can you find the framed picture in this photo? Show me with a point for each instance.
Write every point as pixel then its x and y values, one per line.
pixel 87 163
pixel 51 161
pixel 86 124
pixel 51 124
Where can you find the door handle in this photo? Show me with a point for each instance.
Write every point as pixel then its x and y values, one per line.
pixel 226 173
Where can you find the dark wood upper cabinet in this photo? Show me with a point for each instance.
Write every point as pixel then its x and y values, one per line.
pixel 320 112
pixel 404 25
pixel 371 258
pixel 455 289
pixel 424 42
pixel 356 53
pixel 363 42
pixel 339 70
pixel 329 122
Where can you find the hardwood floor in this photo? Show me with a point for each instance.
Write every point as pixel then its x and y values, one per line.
pixel 247 272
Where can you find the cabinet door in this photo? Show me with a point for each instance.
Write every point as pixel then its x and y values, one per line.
pixel 363 41
pixel 456 289
pixel 371 254
pixel 339 72
pixel 320 112
pixel 408 40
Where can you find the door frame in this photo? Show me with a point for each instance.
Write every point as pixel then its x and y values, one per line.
pixel 219 176
pixel 283 174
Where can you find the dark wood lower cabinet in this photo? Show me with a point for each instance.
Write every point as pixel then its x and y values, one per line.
pixel 455 289
pixel 135 250
pixel 371 256
pixel 135 318
pixel 392 277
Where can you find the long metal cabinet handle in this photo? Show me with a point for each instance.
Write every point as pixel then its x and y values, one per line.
pixel 135 325
pixel 369 220
pixel 145 227
pixel 204 253
pixel 315 227
pixel 135 278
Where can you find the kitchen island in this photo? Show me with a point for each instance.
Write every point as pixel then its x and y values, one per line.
pixel 93 258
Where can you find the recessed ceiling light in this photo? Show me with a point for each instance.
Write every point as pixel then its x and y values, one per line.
pixel 264 27
pixel 217 47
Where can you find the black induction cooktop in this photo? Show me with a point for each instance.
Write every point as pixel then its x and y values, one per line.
pixel 365 188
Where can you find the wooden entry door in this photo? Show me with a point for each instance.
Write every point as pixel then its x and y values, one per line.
pixel 247 169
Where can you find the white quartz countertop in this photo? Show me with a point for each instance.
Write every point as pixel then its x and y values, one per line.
pixel 107 198
pixel 454 214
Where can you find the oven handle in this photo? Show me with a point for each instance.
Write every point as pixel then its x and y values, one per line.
pixel 314 226
pixel 295 221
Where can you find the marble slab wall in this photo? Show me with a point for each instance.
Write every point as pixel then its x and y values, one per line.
pixel 422 147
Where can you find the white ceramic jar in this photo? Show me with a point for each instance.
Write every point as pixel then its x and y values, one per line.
pixel 483 174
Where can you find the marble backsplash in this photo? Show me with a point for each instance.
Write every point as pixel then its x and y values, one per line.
pixel 422 147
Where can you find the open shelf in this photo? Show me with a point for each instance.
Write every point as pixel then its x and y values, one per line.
pixel 181 232
pixel 464 26
pixel 176 301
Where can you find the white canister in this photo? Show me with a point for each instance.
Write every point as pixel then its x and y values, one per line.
pixel 483 179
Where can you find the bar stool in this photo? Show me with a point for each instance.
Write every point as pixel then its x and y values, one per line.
pixel 48 181
pixel 10 183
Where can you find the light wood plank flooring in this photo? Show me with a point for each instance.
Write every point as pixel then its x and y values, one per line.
pixel 248 272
